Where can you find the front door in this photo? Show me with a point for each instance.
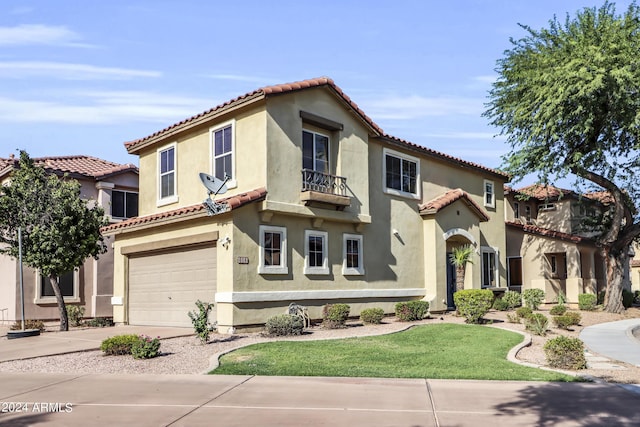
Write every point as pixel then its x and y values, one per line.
pixel 451 282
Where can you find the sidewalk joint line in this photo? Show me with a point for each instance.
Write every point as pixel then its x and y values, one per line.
pixel 433 403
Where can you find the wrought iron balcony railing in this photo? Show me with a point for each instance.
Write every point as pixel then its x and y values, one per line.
pixel 323 183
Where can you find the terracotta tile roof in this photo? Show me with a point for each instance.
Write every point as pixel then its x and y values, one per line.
pixel 133 146
pixel 86 166
pixel 433 206
pixel 532 229
pixel 545 192
pixel 233 202
pixel 603 197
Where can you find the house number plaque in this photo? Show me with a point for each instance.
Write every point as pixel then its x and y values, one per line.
pixel 243 260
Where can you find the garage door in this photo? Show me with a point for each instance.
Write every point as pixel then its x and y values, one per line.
pixel 163 287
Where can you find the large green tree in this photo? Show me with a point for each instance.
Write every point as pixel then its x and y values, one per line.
pixel 568 100
pixel 59 229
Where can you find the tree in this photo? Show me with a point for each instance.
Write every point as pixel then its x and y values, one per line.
pixel 59 229
pixel 568 99
pixel 459 257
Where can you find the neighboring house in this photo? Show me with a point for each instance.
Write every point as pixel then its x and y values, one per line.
pixel 323 207
pixel 550 243
pixel 114 187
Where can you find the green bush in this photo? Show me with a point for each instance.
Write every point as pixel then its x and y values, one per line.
pixel 513 299
pixel 28 324
pixel 636 297
pixel 561 298
pixel 473 304
pixel 500 304
pixel 410 311
pixel 334 316
pixel 524 312
pixel 100 322
pixel 145 347
pixel 565 353
pixel 513 318
pixel 627 298
pixel 587 302
pixel 284 325
pixel 558 310
pixel 372 315
pixel 601 296
pixel 75 313
pixel 200 321
pixel 537 323
pixel 570 318
pixel 533 298
pixel 118 345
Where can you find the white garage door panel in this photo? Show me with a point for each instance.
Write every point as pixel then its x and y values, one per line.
pixel 164 287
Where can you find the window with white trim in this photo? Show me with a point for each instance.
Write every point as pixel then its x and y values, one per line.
pixel 489 194
pixel 68 283
pixel 316 260
pixel 273 250
pixel 124 204
pixel 223 143
pixel 167 176
pixel 352 261
pixel 315 151
pixel 401 174
pixel 489 259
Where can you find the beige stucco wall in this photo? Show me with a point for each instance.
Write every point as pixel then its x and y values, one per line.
pixel 558 219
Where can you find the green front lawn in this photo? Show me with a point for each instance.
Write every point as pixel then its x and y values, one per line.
pixel 430 351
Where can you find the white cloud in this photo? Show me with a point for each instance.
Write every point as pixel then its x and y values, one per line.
pixel 22 35
pixel 486 79
pixel 238 78
pixel 464 135
pixel 69 71
pixel 415 107
pixel 102 108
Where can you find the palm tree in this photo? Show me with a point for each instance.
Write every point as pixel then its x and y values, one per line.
pixel 459 257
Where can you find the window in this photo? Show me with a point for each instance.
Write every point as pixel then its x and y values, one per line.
pixel 546 207
pixel 316 260
pixel 167 175
pixel 222 140
pixel 554 264
pixel 273 250
pixel 124 204
pixel 489 194
pixel 68 283
pixel 352 262
pixel 516 210
pixel 315 151
pixel 489 267
pixel 527 213
pixel 401 174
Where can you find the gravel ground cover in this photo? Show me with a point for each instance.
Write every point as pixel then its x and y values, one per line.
pixel 186 355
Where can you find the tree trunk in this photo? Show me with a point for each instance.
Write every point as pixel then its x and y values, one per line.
pixel 615 281
pixel 459 278
pixel 62 308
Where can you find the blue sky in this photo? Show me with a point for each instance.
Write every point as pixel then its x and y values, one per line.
pixel 83 77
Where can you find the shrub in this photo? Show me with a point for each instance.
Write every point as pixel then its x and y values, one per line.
pixel 533 298
pixel 75 313
pixel 524 312
pixel 100 322
pixel 145 347
pixel 473 303
pixel 284 325
pixel 118 345
pixel 558 310
pixel 627 298
pixel 513 318
pixel 537 323
pixel 500 304
pixel 372 315
pixel 587 302
pixel 411 310
pixel 200 321
pixel 561 298
pixel 636 297
pixel 513 299
pixel 568 319
pixel 601 296
pixel 565 353
pixel 334 316
pixel 28 324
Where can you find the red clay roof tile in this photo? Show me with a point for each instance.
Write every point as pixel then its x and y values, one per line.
pixel 532 229
pixel 433 206
pixel 87 166
pixel 233 202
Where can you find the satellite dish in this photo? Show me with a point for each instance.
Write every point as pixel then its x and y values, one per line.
pixel 213 184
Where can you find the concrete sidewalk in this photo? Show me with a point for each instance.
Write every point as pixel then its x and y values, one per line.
pixel 614 340
pixel 187 400
pixel 50 343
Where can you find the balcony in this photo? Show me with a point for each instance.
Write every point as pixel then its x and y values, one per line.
pixel 324 190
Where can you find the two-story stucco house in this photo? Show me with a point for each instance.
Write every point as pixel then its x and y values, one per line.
pixel 550 244
pixel 113 186
pixel 322 207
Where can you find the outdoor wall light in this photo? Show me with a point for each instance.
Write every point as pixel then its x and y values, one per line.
pixel 396 232
pixel 225 242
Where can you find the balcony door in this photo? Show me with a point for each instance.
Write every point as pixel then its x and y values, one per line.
pixel 315 152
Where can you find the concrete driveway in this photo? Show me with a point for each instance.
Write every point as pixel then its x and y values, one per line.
pixel 193 400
